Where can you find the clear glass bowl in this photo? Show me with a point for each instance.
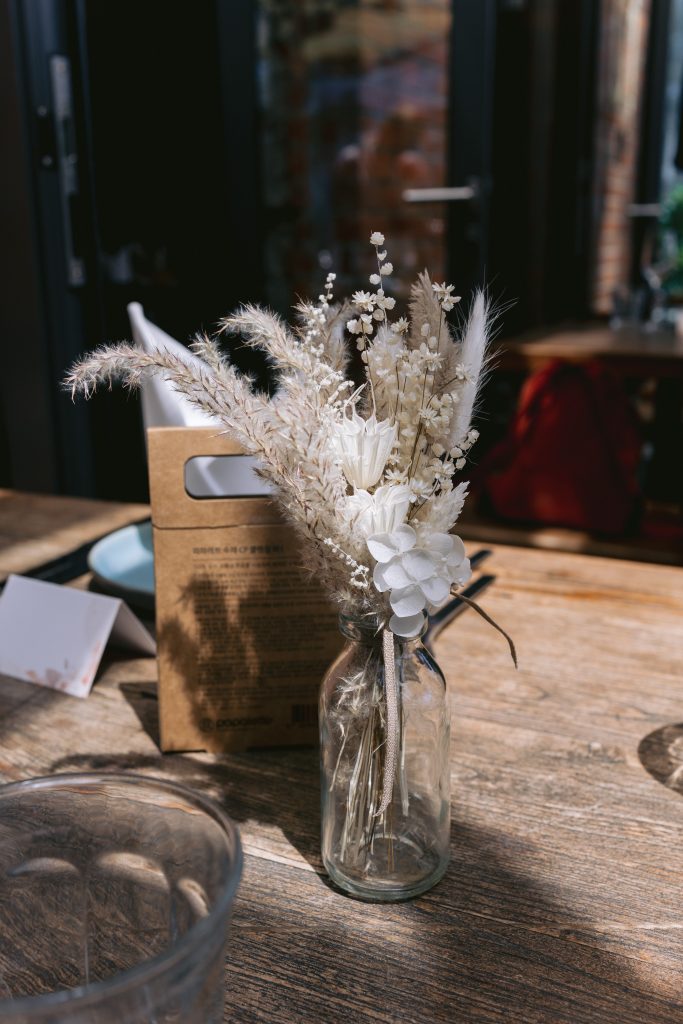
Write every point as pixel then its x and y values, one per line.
pixel 115 899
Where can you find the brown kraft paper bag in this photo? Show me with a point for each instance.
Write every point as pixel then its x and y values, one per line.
pixel 244 637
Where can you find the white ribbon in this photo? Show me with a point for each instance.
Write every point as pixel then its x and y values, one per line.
pixel 391 726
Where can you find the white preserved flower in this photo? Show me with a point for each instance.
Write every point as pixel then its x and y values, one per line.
pixel 418 578
pixel 375 279
pixel 376 238
pixel 366 323
pixel 443 294
pixel 386 268
pixel 380 512
pixel 395 475
pixel 442 291
pixel 402 325
pixel 363 447
pixel 385 301
pixel 429 416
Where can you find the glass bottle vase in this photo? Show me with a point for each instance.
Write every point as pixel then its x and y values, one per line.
pixel 401 851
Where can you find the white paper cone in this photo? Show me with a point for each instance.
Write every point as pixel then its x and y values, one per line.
pixel 162 406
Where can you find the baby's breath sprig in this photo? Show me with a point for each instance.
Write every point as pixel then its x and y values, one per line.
pixel 360 574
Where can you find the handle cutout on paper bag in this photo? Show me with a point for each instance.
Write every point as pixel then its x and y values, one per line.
pixel 224 476
pixel 180 499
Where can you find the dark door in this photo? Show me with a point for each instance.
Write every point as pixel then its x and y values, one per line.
pixel 135 180
pixel 45 251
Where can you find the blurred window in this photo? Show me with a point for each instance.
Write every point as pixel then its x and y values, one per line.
pixel 354 111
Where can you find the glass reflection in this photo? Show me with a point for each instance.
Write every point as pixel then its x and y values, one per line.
pixel 354 112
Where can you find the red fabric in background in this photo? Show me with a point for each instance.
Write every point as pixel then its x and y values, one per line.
pixel 571 455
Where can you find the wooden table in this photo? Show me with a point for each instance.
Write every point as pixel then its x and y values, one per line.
pixel 628 351
pixel 562 902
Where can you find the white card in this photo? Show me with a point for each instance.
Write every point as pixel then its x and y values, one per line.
pixel 55 636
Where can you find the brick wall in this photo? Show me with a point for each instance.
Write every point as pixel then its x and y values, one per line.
pixel 623 47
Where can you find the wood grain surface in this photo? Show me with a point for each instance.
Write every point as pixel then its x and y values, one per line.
pixel 562 902
pixel 35 528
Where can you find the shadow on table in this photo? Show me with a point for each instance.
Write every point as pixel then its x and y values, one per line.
pixel 290 803
pixel 223 642
pixel 487 944
pixel 661 754
pixel 143 699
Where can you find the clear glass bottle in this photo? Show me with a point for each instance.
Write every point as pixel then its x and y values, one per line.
pixel 404 850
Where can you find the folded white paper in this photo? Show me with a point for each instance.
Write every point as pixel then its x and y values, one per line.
pixel 55 636
pixel 162 406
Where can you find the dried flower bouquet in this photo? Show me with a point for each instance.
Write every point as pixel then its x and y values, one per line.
pixel 364 474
